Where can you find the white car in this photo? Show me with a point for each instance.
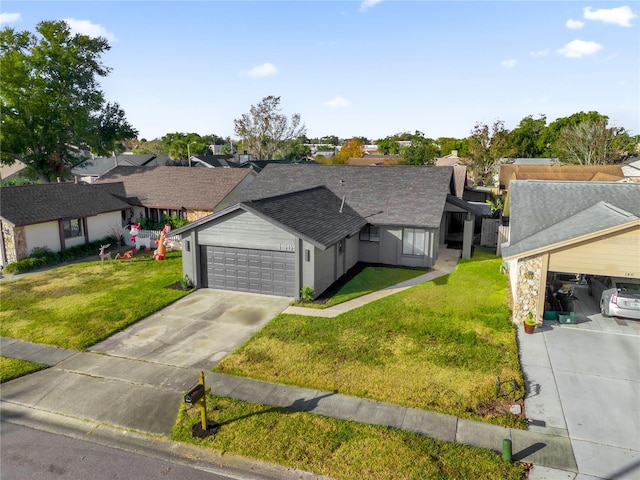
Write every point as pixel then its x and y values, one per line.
pixel 619 296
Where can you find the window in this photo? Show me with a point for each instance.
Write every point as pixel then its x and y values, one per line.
pixel 370 234
pixel 72 228
pixel 413 240
pixel 307 255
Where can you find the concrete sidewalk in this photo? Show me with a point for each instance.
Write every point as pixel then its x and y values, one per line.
pixel 145 397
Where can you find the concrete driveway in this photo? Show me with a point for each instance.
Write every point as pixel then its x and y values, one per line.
pixel 197 331
pixel 584 382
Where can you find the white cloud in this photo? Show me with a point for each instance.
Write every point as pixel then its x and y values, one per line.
pixel 579 48
pixel 85 27
pixel 9 17
pixel 618 16
pixel 338 102
pixel 511 63
pixel 264 70
pixel 540 53
pixel 574 24
pixel 367 4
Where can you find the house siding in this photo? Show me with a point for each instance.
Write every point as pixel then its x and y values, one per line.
pixel 608 255
pixel 42 235
pixel 352 251
pixel 324 269
pixel 246 230
pixel 103 225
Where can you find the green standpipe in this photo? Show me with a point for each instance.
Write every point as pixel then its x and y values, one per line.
pixel 506 450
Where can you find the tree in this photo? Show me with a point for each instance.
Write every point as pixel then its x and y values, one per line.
pixel 294 150
pixel 264 129
pixel 526 138
pixel 550 136
pixel 52 109
pixel 421 151
pixel 354 148
pixel 449 144
pixel 487 144
pixel 592 142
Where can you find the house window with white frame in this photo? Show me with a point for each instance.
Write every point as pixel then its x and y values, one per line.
pixel 413 241
pixel 72 228
pixel 370 234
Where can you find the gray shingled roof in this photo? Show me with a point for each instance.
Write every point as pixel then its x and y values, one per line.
pixel 177 187
pixel 313 215
pixel 29 204
pixel 544 213
pixel 394 195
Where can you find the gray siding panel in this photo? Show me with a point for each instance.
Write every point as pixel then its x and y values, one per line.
pixel 246 230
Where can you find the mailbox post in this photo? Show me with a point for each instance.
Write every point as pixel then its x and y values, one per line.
pixel 197 395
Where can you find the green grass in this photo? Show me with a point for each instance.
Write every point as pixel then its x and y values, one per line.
pixel 11 368
pixel 369 280
pixel 337 448
pixel 437 346
pixel 77 305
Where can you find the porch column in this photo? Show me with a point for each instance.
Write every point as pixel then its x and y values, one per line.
pixel 467 236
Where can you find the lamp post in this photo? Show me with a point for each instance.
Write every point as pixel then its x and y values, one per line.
pixel 189 151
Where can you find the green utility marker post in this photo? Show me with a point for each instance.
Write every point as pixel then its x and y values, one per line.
pixel 506 450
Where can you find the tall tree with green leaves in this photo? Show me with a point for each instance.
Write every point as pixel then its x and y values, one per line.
pixel 526 138
pixel 264 130
pixel 421 150
pixel 52 108
pixel 487 145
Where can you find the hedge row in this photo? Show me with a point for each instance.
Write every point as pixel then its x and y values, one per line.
pixel 43 257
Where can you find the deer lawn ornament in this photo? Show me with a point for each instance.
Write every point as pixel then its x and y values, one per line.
pixel 104 254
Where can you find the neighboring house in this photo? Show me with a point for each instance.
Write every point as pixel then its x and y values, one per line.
pixel 258 165
pixel 572 173
pixel 191 193
pixel 631 171
pixel 13 171
pixel 306 225
pixel 569 227
pixel 97 167
pixel 214 161
pixel 56 216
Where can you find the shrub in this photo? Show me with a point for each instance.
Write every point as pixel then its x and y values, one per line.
pixel 307 294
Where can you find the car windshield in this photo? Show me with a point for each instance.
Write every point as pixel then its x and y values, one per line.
pixel 629 287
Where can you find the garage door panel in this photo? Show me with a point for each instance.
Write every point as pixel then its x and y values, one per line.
pixel 257 271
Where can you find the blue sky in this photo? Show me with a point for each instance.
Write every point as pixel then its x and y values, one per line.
pixel 354 68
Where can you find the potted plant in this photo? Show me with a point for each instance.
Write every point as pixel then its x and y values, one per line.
pixel 530 323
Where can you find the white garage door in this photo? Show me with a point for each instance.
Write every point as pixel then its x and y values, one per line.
pixel 247 270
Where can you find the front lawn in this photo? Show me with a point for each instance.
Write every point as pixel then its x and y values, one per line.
pixel 437 346
pixel 77 305
pixel 368 280
pixel 11 368
pixel 339 449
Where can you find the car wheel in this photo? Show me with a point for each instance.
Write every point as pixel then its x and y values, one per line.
pixel 604 314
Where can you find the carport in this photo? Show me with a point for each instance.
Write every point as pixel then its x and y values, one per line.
pixel 585 236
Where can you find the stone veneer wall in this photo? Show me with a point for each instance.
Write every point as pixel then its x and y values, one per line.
pixel 528 289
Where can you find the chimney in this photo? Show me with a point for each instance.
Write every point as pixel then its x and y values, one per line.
pixel 75 180
pixel 58 179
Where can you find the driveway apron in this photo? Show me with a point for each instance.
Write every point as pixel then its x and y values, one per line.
pixel 584 380
pixel 197 331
